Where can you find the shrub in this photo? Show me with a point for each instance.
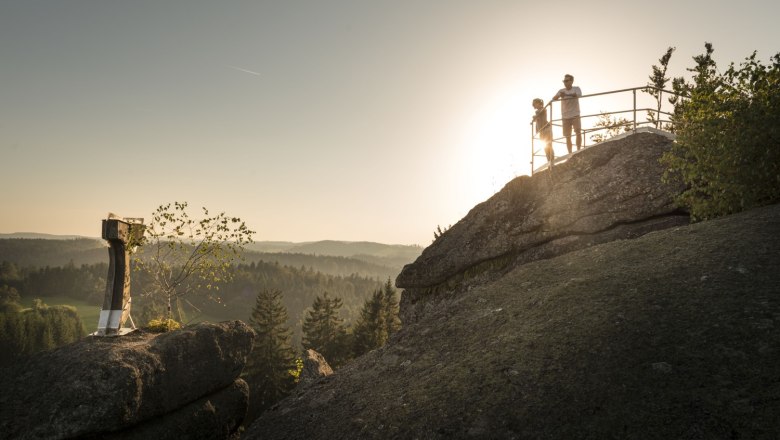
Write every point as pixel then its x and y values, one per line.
pixel 162 325
pixel 727 150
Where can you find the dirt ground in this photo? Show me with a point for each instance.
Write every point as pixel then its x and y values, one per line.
pixel 675 334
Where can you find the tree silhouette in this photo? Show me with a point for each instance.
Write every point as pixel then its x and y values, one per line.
pixel 377 321
pixel 272 358
pixel 324 330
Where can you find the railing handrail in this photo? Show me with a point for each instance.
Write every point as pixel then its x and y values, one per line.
pixel 611 92
pixel 643 88
pixel 552 121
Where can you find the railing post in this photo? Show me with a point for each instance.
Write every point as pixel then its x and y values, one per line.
pixel 550 123
pixel 660 104
pixel 532 147
pixel 634 110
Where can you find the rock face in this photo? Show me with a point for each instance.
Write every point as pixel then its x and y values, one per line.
pixel 608 192
pixel 182 384
pixel 672 335
pixel 314 367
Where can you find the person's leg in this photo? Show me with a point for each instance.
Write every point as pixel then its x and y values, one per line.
pixel 578 132
pixel 567 123
pixel 548 148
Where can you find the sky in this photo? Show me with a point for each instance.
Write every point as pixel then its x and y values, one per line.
pixel 344 120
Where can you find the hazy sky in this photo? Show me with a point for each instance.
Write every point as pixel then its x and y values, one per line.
pixel 345 120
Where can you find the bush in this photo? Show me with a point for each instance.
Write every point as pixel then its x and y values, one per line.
pixel 162 325
pixel 727 150
pixel 296 372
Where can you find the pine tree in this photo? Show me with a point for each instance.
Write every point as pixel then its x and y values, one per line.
pixel 324 330
pixel 11 333
pixel 370 330
pixel 392 322
pixel 377 321
pixel 269 364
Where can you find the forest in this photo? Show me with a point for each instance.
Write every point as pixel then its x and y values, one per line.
pixel 37 328
pixel 299 278
pixel 234 300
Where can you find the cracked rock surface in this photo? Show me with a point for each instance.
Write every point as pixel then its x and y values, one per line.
pixel 607 192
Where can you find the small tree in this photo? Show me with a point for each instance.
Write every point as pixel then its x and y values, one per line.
pixel 611 128
pixel 181 254
pixel 269 365
pixel 439 232
pixel 324 330
pixel 658 81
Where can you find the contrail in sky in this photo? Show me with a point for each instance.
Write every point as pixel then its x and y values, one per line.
pixel 244 70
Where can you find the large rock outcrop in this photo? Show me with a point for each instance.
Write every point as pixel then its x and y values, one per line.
pixel 183 384
pixel 608 192
pixel 672 335
pixel 574 305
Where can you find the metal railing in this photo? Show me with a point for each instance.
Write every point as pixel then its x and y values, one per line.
pixel 662 120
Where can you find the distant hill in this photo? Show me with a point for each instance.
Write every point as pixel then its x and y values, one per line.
pixel 36 235
pixel 272 246
pixel 339 248
pixel 390 255
pixel 330 265
pixel 39 252
pixel 374 260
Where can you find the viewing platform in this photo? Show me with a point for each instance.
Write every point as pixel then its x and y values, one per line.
pixel 644 113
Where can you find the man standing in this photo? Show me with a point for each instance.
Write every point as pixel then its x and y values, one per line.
pixel 570 110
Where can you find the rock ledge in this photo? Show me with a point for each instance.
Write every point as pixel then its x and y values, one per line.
pixel 120 387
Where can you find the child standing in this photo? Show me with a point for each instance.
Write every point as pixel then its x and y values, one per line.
pixel 543 128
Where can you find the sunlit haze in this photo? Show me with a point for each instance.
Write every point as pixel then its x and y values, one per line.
pixel 311 120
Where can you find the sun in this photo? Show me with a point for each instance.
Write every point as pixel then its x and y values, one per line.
pixel 497 139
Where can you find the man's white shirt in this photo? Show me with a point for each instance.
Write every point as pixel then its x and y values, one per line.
pixel 570 107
